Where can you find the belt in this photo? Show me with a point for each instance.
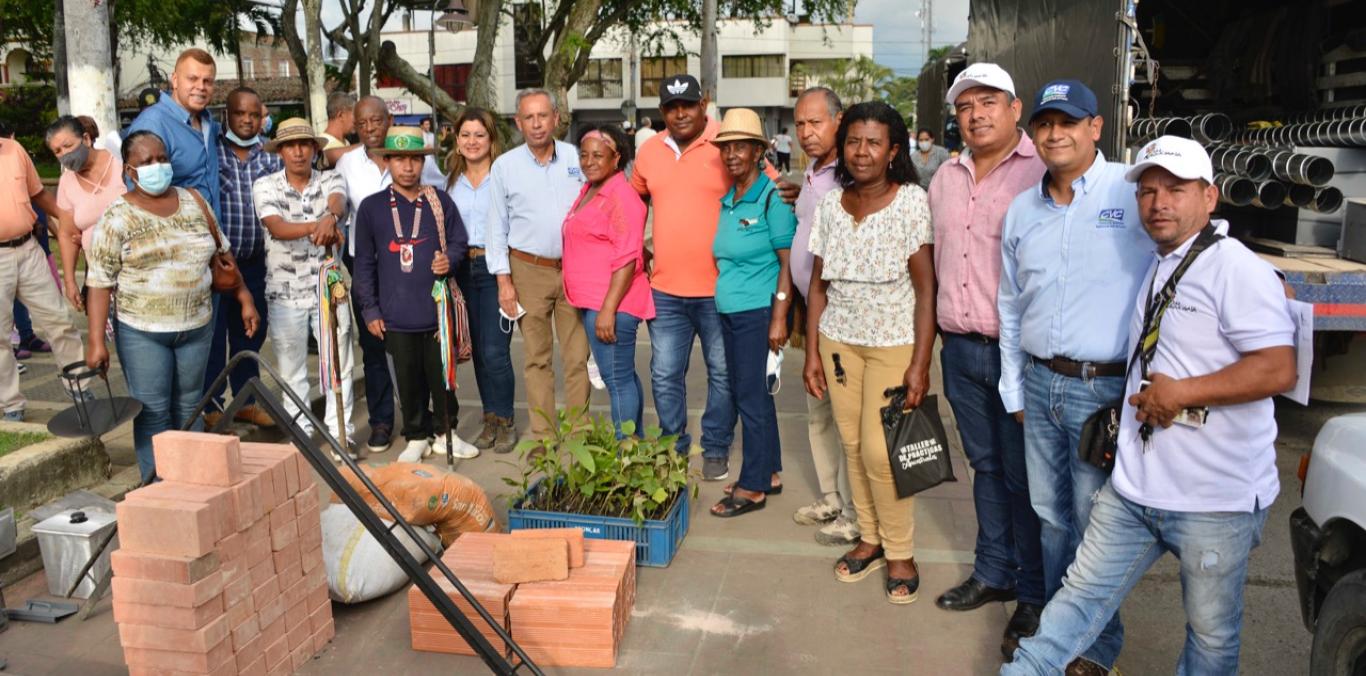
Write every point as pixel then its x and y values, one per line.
pixel 534 259
pixel 17 241
pixel 1083 369
pixel 975 337
pixel 475 251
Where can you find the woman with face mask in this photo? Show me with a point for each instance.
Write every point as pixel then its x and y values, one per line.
pixel 92 179
pixel 927 157
pixel 153 245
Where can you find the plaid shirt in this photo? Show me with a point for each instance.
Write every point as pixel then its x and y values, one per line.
pixel 238 215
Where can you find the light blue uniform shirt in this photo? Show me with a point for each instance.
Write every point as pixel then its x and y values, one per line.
pixel 473 204
pixel 1069 274
pixel 528 203
pixel 193 152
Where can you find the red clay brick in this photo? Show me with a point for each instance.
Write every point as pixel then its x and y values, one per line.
pixel 287 561
pixel 244 632
pixel 218 499
pixel 180 640
pixel 306 499
pixel 277 650
pixel 177 569
pixel 238 589
pixel 310 535
pixel 239 613
pixel 518 560
pixel 201 662
pixel 306 480
pixel 298 636
pixel 265 482
pixel 310 560
pixel 274 629
pixel 256 667
pixel 318 596
pixel 166 616
pixel 166 528
pixel 248 503
pixel 283 514
pixel 320 616
pixel 284 535
pixel 229 668
pixel 258 551
pixel 271 612
pixel 573 536
pixel 261 572
pixel 309 516
pixel 301 655
pixel 198 458
pixel 284 668
pixel 265 591
pixel 251 650
pixel 153 593
pixel 296 614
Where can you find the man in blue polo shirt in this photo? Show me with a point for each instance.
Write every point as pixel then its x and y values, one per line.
pixel 1072 258
pixel 183 122
pixel 1197 485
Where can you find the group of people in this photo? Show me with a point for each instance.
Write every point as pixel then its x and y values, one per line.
pixel 1060 283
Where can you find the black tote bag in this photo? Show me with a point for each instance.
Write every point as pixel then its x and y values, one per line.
pixel 916 444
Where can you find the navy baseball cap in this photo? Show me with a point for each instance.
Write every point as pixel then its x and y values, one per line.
pixel 1071 97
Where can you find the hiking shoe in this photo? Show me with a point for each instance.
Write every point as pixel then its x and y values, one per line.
pixel 415 451
pixel 459 447
pixel 816 513
pixel 839 533
pixel 379 441
pixel 715 469
pixel 506 438
pixel 488 434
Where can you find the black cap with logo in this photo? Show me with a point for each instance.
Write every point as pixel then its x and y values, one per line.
pixel 679 88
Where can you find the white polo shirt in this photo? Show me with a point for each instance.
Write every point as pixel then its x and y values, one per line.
pixel 364 178
pixel 1230 302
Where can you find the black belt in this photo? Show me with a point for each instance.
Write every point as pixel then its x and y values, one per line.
pixel 1082 369
pixel 18 241
pixel 975 337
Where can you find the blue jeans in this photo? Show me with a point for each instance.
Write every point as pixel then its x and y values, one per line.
pixel 617 364
pixel 379 384
pixel 1122 542
pixel 165 371
pixel 492 359
pixel 677 321
pixel 1008 554
pixel 746 339
pixel 1062 488
pixel 229 335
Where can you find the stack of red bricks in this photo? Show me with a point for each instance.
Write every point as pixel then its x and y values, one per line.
pixel 572 620
pixel 220 567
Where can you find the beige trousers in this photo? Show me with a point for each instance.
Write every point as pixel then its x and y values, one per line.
pixel 549 315
pixel 832 472
pixel 24 275
pixel 883 518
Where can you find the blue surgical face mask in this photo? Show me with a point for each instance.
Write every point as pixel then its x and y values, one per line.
pixel 243 142
pixel 154 178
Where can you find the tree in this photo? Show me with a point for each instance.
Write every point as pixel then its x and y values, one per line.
pixel 854 80
pixel 901 93
pixel 361 39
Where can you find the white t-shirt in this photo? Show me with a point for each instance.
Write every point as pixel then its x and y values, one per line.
pixel 644 135
pixel 783 144
pixel 364 178
pixel 1229 303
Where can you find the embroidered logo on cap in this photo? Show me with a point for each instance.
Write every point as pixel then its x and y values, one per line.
pixel 1057 92
pixel 677 87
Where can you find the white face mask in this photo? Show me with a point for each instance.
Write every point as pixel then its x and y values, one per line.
pixel 924 146
pixel 507 323
pixel 773 372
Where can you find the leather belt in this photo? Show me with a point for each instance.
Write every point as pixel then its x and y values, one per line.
pixel 475 252
pixel 1083 369
pixel 975 337
pixel 534 259
pixel 17 241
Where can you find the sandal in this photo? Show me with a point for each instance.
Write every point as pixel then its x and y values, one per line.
pixel 772 489
pixel 910 583
pixel 732 506
pixel 859 568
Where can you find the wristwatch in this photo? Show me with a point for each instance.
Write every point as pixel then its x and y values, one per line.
pixel 780 296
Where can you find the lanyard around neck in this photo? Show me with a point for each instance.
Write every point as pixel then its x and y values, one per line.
pixel 417 215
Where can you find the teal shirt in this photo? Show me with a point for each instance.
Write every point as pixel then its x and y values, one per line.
pixel 748 237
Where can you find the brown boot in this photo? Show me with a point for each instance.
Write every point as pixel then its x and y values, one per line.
pixel 255 416
pixel 489 434
pixel 506 438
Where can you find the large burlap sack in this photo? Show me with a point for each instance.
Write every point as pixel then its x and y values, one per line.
pixel 428 496
pixel 358 568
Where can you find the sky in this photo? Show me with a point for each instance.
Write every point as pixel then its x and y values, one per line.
pixel 896 30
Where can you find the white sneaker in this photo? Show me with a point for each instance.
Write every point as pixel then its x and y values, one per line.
pixel 459 447
pixel 595 374
pixel 415 451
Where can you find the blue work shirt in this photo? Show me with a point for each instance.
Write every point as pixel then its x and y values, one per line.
pixel 528 203
pixel 237 212
pixel 1069 274
pixel 751 230
pixel 473 204
pixel 193 152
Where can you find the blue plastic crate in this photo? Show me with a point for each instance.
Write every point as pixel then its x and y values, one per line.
pixel 656 539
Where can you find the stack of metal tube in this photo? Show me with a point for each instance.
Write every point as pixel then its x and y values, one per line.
pixel 1207 128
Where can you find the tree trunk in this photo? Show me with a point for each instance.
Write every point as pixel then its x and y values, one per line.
pixel 480 86
pixel 393 65
pixel 709 72
pixel 369 44
pixel 316 74
pixel 358 42
pixel 559 67
pixel 290 30
pixel 59 60
pixel 89 71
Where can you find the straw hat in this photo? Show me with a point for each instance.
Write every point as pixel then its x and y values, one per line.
pixel 293 129
pixel 741 124
pixel 406 141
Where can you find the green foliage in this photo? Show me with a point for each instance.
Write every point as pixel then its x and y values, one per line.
pixel 13 441
pixel 901 94
pixel 854 80
pixel 28 110
pixel 583 468
pixel 161 23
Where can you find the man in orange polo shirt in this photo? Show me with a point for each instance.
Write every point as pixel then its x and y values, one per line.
pixel 24 273
pixel 680 172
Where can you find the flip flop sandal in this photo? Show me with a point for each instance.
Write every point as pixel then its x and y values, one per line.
pixel 733 506
pixel 912 584
pixel 772 490
pixel 859 568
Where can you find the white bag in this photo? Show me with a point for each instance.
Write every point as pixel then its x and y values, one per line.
pixel 358 568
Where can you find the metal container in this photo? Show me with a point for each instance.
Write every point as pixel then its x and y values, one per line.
pixel 1352 245
pixel 67 541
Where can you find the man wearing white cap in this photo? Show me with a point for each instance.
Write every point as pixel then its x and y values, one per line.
pixel 1212 341
pixel 969 196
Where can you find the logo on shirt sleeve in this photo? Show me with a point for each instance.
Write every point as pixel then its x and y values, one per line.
pixel 1111 218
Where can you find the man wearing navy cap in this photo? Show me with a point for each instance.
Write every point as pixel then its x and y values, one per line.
pixel 1073 254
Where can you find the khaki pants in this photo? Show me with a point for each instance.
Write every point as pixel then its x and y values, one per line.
pixel 832 472
pixel 540 290
pixel 883 518
pixel 24 275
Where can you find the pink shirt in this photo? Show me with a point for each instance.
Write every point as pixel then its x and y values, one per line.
pixel 815 183
pixel 968 214
pixel 600 238
pixel 86 200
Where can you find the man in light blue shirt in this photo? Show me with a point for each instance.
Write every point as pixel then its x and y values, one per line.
pixel 183 122
pixel 533 187
pixel 1073 257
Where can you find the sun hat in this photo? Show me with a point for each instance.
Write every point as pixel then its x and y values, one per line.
pixel 740 124
pixel 293 129
pixel 406 141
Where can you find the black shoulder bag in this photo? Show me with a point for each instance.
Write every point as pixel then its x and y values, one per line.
pixel 1100 432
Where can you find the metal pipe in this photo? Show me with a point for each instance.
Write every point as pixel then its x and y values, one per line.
pixel 1270 194
pixel 1145 128
pixel 1298 167
pixel 1239 159
pixel 1327 200
pixel 1298 195
pixel 1235 190
pixel 1211 127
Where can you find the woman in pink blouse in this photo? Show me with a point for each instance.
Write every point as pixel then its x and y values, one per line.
pixel 92 178
pixel 604 268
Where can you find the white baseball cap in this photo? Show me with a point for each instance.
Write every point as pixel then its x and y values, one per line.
pixel 1183 157
pixel 981 75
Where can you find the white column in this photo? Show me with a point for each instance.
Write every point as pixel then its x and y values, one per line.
pixel 89 68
